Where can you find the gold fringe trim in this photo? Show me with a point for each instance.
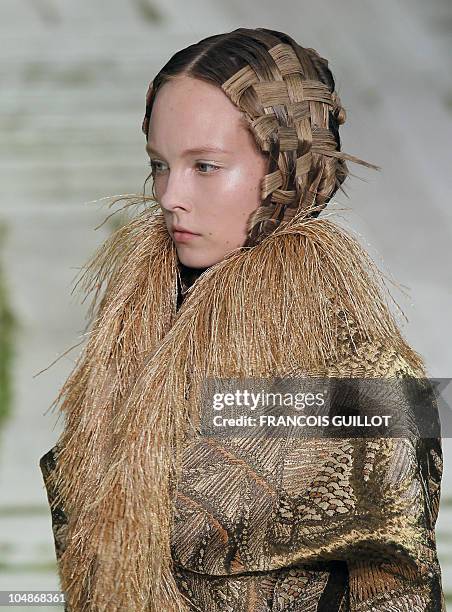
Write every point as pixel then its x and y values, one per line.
pixel 270 310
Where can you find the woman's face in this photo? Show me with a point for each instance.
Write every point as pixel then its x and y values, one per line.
pixel 207 169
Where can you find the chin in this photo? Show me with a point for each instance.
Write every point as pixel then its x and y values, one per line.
pixel 196 260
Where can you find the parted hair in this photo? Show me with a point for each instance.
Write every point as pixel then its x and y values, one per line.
pixel 287 95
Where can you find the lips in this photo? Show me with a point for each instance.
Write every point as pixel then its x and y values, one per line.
pixel 183 231
pixel 183 235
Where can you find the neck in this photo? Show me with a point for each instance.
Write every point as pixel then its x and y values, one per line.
pixel 188 275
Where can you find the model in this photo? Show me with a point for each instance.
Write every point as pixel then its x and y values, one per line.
pixel 232 271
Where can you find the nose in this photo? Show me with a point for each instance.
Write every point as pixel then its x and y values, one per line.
pixel 174 194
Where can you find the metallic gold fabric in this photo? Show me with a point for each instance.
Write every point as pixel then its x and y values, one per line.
pixel 286 524
pixel 313 524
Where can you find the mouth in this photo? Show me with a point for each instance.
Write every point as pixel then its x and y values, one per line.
pixel 183 235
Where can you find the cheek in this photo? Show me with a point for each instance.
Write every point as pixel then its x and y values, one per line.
pixel 244 185
pixel 232 213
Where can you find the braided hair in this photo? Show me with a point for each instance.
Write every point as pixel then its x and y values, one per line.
pixel 288 100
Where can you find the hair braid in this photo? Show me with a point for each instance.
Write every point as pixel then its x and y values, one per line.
pixel 294 116
pixel 289 102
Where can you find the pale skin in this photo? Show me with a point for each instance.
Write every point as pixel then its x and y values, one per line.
pixel 207 169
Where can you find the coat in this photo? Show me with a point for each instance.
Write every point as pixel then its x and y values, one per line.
pixel 288 524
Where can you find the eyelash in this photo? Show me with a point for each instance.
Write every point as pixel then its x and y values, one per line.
pixel 152 164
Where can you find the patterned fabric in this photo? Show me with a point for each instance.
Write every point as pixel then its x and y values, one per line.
pixel 288 524
pixel 250 513
pixel 241 550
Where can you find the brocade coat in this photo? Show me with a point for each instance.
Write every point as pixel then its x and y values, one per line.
pixel 312 525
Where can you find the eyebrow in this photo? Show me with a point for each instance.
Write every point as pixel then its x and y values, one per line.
pixel 194 151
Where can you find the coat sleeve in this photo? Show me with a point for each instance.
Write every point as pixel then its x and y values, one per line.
pixel 371 503
pixel 368 503
pixel 58 516
pixel 410 481
pixel 406 487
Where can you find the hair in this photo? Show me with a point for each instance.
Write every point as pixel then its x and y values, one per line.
pixel 287 95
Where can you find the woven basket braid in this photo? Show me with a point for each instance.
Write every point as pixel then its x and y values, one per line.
pixel 292 125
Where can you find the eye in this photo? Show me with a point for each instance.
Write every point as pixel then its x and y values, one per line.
pixel 215 168
pixel 156 166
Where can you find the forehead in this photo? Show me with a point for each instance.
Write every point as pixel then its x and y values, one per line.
pixel 188 111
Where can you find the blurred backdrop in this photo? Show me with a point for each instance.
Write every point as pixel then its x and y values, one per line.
pixel 74 76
